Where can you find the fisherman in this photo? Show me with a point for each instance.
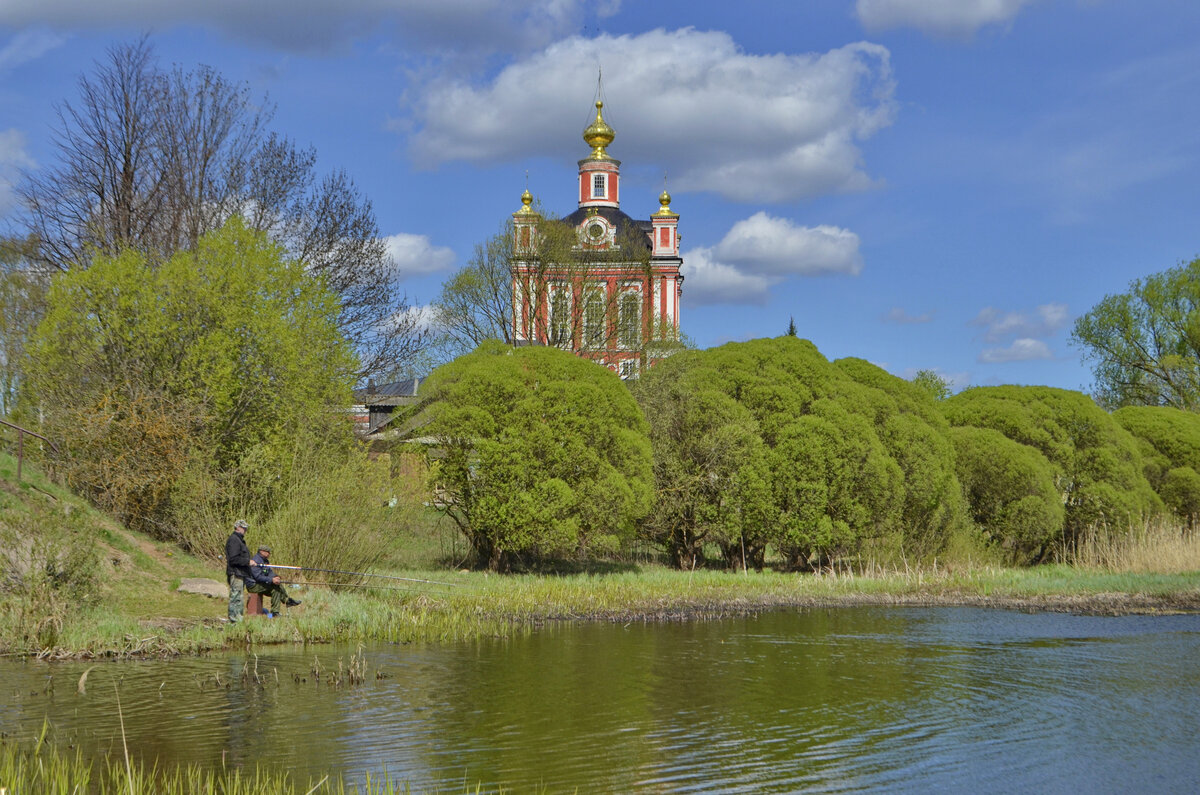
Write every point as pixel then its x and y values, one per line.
pixel 265 581
pixel 237 568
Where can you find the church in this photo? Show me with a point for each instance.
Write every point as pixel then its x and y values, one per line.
pixel 598 282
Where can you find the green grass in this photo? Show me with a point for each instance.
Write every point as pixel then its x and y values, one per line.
pixel 41 769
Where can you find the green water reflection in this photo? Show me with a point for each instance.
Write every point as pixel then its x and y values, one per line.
pixel 828 700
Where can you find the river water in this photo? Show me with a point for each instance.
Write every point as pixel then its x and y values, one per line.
pixel 836 700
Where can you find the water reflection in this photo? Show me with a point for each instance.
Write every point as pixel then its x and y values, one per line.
pixel 826 701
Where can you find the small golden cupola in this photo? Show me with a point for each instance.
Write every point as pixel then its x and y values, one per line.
pixel 526 201
pixel 664 199
pixel 525 221
pixel 598 134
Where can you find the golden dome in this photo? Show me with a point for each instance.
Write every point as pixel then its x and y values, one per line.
pixel 599 135
pixel 664 199
pixel 526 200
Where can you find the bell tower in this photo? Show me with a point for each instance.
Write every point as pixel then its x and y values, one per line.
pixel 599 173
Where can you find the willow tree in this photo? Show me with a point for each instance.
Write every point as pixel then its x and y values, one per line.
pixel 539 454
pixel 1098 470
pixel 208 368
pixel 1170 444
pixel 818 459
pixel 711 475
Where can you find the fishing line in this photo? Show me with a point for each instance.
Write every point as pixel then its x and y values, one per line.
pixel 372 587
pixel 363 574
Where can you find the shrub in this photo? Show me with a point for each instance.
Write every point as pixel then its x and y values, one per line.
pixel 848 454
pixel 1096 463
pixel 1170 444
pixel 1010 492
pixel 542 453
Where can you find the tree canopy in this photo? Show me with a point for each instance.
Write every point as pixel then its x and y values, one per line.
pixel 1097 466
pixel 22 301
pixel 711 474
pixel 207 367
pixel 1170 445
pixel 539 453
pixel 1010 488
pixel 1145 343
pixel 151 160
pixel 820 457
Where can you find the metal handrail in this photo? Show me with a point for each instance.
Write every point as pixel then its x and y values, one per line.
pixel 21 432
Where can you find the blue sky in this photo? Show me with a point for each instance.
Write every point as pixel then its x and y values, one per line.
pixel 942 184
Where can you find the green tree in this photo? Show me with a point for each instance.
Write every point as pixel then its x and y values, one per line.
pixel 791 330
pixel 849 455
pixel 914 433
pixel 22 302
pixel 1145 343
pixel 933 384
pixel 1170 444
pixel 1097 465
pixel 540 453
pixel 206 368
pixel 152 159
pixel 711 475
pixel 1010 489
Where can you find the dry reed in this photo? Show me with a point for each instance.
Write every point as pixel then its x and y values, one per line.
pixel 1155 546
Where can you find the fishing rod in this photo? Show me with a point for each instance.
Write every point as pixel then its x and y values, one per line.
pixel 362 574
pixel 364 585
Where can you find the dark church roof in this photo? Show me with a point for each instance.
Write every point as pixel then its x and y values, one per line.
pixel 390 394
pixel 626 226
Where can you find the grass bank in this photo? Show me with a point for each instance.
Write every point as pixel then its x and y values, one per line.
pixel 76 584
pixel 42 769
pixel 477 605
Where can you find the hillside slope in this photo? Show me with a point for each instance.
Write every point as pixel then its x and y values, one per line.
pixel 70 576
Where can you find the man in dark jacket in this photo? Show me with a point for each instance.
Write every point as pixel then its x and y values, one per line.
pixel 265 581
pixel 237 568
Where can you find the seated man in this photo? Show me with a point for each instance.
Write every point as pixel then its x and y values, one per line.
pixel 265 581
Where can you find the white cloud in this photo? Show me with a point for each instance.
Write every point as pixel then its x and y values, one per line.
pixel 1021 350
pixel 900 315
pixel 708 282
pixel 321 25
pixel 954 18
pixel 415 255
pixel 425 317
pixel 761 251
pixel 998 326
pixel 772 246
pixel 715 118
pixel 28 45
pixel 13 159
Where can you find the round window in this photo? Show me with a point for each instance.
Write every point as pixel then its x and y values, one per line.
pixel 595 230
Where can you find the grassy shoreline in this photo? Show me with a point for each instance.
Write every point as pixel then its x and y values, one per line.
pixel 479 606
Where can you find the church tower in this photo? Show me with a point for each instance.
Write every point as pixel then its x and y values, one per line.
pixel 598 282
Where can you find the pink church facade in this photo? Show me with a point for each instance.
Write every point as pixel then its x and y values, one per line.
pixel 614 296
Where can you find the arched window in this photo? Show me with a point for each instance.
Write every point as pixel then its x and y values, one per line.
pixel 629 320
pixel 560 317
pixel 594 325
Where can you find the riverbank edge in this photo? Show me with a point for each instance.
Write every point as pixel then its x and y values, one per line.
pixel 497 612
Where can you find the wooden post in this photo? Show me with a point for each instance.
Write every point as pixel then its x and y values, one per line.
pixel 254 604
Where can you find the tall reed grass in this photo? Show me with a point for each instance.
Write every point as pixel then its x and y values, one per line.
pixel 1159 546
